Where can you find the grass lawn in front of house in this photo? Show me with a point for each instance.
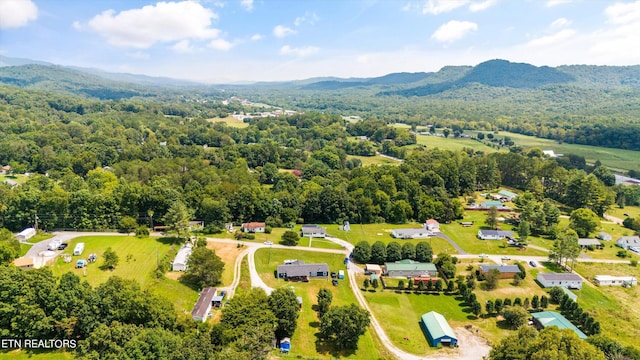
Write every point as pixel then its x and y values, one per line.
pixel 305 342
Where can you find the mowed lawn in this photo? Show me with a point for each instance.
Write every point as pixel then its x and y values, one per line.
pixel 374 160
pixel 614 307
pixel 305 342
pixel 228 253
pixel 453 144
pixel 276 236
pixel 138 260
pixel 230 121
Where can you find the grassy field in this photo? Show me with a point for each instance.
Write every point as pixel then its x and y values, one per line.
pixel 633 211
pixel 21 354
pixel 230 121
pixel 453 144
pixel 304 342
pixel 228 253
pixel 374 160
pixel 19 178
pixel 137 262
pixel 276 236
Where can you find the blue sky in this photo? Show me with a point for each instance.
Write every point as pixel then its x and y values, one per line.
pixel 254 40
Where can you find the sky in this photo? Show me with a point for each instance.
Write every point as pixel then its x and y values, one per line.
pixel 222 41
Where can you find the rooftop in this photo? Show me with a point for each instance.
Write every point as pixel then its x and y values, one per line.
pixel 437 325
pixel 409 265
pixel 560 276
pixel 204 301
pixel 552 318
pixel 301 269
pixel 587 242
pixel 501 268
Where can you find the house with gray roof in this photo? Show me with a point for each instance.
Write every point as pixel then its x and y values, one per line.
pixel 417 233
pixel 507 195
pixel 202 308
pixel 313 231
pixel 629 243
pixel 299 271
pixel 506 271
pixel 567 280
pixel 494 234
pixel 584 243
pixel 604 236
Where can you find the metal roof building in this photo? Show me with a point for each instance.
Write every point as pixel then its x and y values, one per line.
pixel 410 268
pixel 551 318
pixel 437 330
pixel 201 310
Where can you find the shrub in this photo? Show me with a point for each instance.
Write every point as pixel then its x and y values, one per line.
pixel 248 236
pixel 142 231
pixel 634 262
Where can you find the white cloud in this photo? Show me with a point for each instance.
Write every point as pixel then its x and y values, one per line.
pixel 560 23
pixel 256 37
pixel 480 6
pixel 552 3
pixel 162 22
pixel 623 13
pixel 436 7
pixel 139 55
pixel 220 44
pixel 281 31
pixel 299 52
pixel 17 13
pixel 247 4
pixel 308 17
pixel 553 39
pixel 182 47
pixel 453 30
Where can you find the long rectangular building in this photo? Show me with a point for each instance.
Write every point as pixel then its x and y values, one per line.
pixel 299 271
pixel 202 308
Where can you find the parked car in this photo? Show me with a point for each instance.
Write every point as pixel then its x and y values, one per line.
pixel 533 263
pixel 506 257
pixel 334 282
pixel 62 246
pixel 333 275
pixel 483 255
pixel 268 242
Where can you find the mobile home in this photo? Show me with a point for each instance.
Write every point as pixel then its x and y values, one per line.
pixel 78 249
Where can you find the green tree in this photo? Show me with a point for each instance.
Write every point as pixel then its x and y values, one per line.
pixel 362 252
pixel 584 221
pixel 492 217
pixel 378 253
pixel 128 224
pixel 343 325
pixel 204 268
pixel 394 251
pixel 177 220
pixel 535 302
pixel 111 259
pixel 325 297
pixel 424 253
pixel 375 284
pixel 489 307
pixel 290 238
pixel 515 316
pixel 366 283
pixel 491 279
pixel 408 251
pixel 476 308
pixel 284 305
pixel 524 230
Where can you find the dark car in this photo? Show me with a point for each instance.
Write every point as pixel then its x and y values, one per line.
pixel 333 275
pixel 533 263
pixel 334 282
pixel 62 246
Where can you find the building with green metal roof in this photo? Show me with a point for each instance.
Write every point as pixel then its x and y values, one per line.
pixel 410 268
pixel 551 318
pixel 437 330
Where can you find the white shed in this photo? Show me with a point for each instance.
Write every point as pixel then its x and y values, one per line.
pixel 78 249
pixel 26 234
pixel 180 262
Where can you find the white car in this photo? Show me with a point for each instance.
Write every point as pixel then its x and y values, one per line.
pixel 506 258
pixel 268 243
pixel 483 255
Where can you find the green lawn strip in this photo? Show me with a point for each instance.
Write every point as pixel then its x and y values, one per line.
pixel 304 340
pixel 40 236
pixel 182 296
pixel 276 236
pixel 374 160
pixel 24 248
pixel 453 144
pixel 229 121
pixel 22 354
pixel 19 178
pixel 245 276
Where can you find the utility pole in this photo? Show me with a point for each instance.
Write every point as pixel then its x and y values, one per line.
pixel 36 222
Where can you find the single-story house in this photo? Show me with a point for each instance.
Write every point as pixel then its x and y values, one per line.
pixel 313 231
pixel 627 242
pixel 254 227
pixel 507 195
pixel 494 234
pixel 202 308
pixel 409 268
pixel 373 269
pixel 24 262
pixel 571 281
pixel 432 225
pixel 437 330
pixel 26 234
pixel 545 319
pixel 486 205
pixel 5 170
pixel 180 262
pixel 584 243
pixel 608 280
pixel 299 271
pixel 506 271
pixel 604 236
pixel 413 233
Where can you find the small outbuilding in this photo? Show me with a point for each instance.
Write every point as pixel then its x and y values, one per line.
pixel 26 234
pixel 373 269
pixel 604 236
pixel 437 330
pixel 432 225
pixel 24 262
pixel 285 345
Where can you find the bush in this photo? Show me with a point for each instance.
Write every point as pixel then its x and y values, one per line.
pixel 249 236
pixel 290 238
pixel 634 262
pixel 267 229
pixel 142 231
pixel 622 253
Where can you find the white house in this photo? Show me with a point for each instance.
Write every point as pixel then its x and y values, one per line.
pixel 417 233
pixel 608 280
pixel 432 225
pixel 78 249
pixel 571 281
pixel 313 231
pixel 494 234
pixel 253 227
pixel 180 262
pixel 629 242
pixel 26 234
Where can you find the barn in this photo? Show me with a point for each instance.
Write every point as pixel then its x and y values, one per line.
pixel 437 330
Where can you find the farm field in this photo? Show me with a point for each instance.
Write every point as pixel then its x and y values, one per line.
pixel 228 253
pixel 229 121
pixel 308 323
pixel 374 160
pixel 453 144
